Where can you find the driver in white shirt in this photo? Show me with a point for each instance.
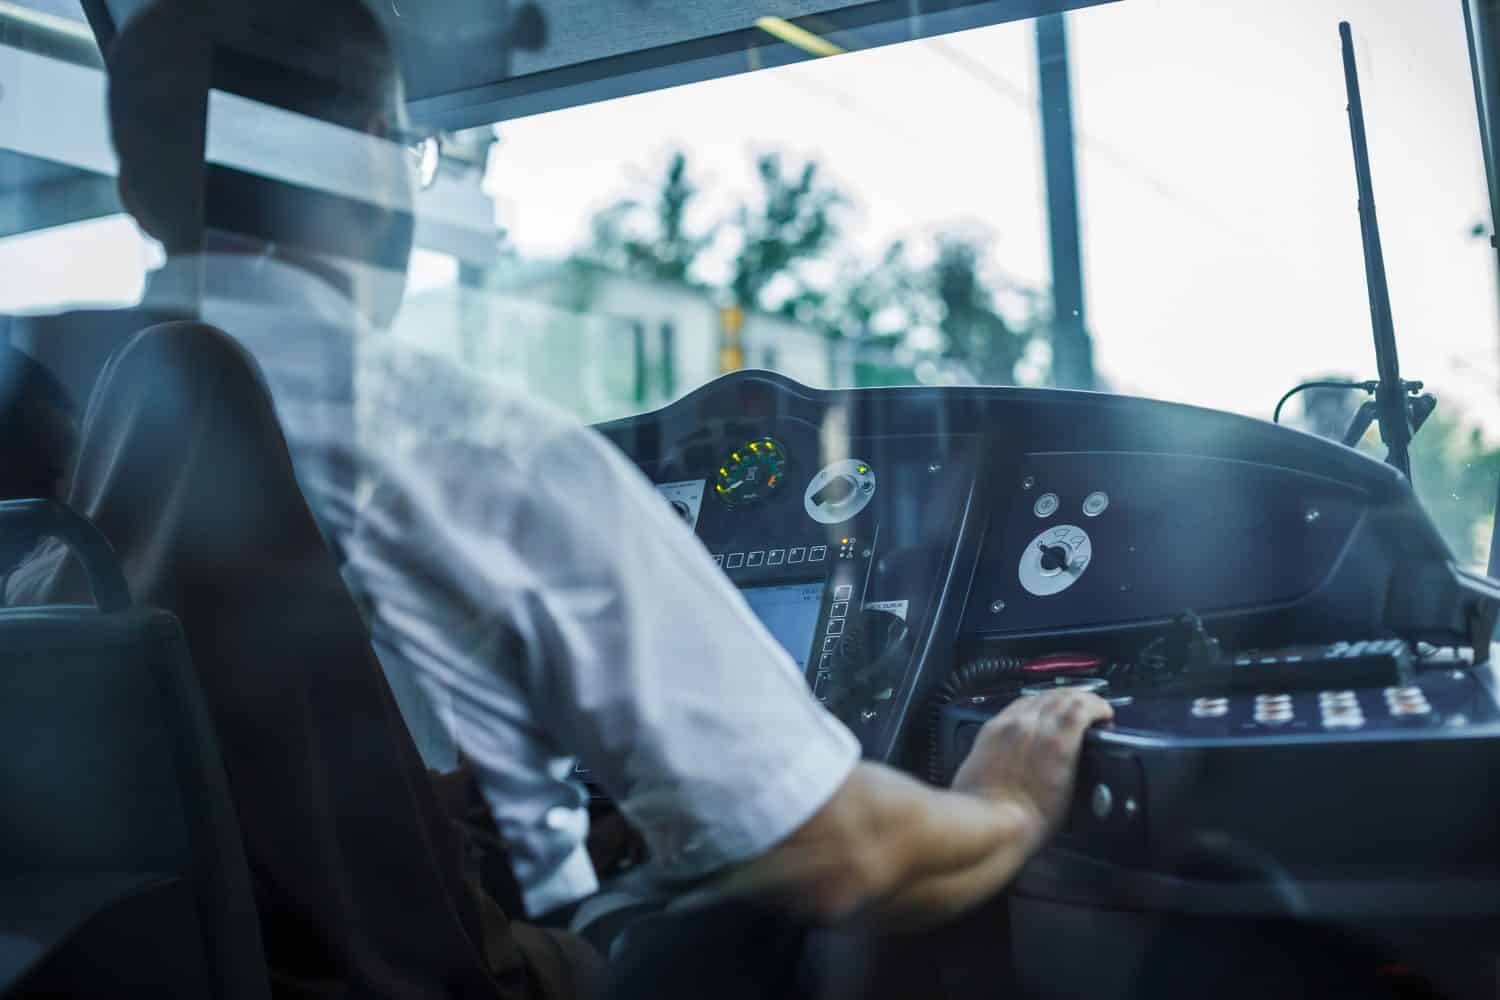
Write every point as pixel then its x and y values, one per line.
pixel 551 605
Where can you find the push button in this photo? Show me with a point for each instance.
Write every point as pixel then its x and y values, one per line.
pixel 796 555
pixel 817 553
pixel 1210 708
pixel 1102 802
pixel 735 560
pixel 755 559
pixel 843 592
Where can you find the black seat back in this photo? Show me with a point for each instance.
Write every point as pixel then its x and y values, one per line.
pixel 359 876
pixel 121 866
pixel 75 345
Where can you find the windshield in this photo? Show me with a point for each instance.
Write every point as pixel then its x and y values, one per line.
pixel 882 218
pixel 480 285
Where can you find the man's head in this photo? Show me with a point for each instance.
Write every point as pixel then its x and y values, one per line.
pixel 327 60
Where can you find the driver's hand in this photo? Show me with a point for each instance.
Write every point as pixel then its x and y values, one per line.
pixel 1028 754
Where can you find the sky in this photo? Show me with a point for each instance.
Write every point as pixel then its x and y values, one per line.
pixel 1220 229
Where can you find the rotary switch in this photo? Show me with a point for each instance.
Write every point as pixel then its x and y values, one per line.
pixel 1055 560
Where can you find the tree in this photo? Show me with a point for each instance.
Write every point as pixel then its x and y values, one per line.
pixel 792 223
pixel 973 331
pixel 880 305
pixel 653 239
pixel 1454 472
pixel 946 305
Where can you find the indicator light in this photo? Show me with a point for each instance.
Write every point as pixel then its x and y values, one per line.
pixel 844 541
pixel 863 469
pixel 755 446
pixel 735 455
pixel 723 472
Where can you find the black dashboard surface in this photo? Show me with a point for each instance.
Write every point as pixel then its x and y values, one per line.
pixel 1016 519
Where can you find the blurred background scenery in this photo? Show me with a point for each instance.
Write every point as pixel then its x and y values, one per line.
pixel 892 217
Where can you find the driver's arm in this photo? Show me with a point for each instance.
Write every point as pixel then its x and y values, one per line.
pixel 565 609
pixel 890 850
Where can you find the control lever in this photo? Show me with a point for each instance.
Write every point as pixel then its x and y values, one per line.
pixel 869 658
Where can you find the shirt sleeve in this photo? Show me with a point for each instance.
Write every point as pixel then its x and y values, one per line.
pixel 557 608
pixel 656 673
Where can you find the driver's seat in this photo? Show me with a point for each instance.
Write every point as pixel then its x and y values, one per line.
pixel 358 876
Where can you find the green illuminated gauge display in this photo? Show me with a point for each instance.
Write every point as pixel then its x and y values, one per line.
pixel 750 473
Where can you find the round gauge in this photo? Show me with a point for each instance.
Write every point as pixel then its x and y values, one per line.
pixel 1055 560
pixel 839 491
pixel 750 473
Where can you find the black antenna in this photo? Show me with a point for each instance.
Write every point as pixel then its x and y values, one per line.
pixel 1390 398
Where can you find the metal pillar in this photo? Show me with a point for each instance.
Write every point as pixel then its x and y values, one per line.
pixel 1482 20
pixel 1072 352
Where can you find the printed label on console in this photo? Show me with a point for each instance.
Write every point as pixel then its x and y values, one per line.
pixel 897 608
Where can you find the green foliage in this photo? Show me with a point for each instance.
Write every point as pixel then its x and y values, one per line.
pixel 793 222
pixel 947 300
pixel 974 333
pixel 879 306
pixel 653 240
pixel 1456 474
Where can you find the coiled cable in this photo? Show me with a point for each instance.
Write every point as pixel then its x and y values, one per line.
pixel 973 677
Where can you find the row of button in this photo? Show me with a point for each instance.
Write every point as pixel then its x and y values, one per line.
pixel 1094 504
pixel 775 557
pixel 1339 709
pixel 838 613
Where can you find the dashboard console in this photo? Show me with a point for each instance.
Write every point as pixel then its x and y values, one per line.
pixel 1291 652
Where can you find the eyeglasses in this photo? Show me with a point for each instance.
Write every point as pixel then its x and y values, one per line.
pixel 426 152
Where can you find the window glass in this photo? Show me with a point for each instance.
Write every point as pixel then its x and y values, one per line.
pixel 1154 198
pixel 882 218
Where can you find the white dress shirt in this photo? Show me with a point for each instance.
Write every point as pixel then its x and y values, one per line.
pixel 547 600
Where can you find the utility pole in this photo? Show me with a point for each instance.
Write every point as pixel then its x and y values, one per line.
pixel 1072 352
pixel 1482 23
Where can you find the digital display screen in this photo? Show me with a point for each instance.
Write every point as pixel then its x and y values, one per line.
pixel 789 613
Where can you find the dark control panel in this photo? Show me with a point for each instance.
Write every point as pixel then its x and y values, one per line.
pixel 1071 534
pixel 790 488
pixel 1097 538
pixel 1319 775
pixel 1305 723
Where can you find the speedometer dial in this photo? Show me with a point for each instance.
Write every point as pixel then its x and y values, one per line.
pixel 750 473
